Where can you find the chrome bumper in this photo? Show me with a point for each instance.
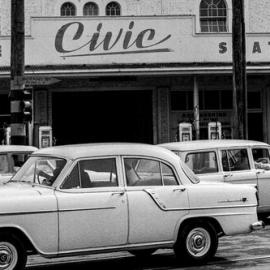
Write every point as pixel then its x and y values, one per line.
pixel 259 225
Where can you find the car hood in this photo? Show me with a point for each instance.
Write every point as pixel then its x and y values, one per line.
pixel 14 189
pixel 25 198
pixel 5 177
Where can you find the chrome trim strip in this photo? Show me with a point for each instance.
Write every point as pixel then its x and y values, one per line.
pixel 118 248
pixel 28 213
pixel 57 211
pixel 163 207
pixel 86 209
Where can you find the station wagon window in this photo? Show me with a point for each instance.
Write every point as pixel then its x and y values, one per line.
pixel 235 160
pixel 261 158
pixel 4 163
pixel 147 172
pixel 202 162
pixel 18 159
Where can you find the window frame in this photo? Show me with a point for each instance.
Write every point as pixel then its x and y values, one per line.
pixel 200 152
pixel 178 180
pixel 119 7
pixel 88 4
pixel 73 6
pixel 250 162
pixel 82 190
pixel 197 24
pixel 210 18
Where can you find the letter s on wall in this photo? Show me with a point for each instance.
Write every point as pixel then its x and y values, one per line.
pixel 223 47
pixel 60 36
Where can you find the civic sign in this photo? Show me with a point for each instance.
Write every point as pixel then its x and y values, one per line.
pixel 129 40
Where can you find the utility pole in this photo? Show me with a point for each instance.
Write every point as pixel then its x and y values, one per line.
pixel 239 121
pixel 17 81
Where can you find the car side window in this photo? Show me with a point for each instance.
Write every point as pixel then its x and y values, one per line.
pixel 73 179
pixel 202 162
pixel 235 160
pixel 98 173
pixel 4 163
pixel 147 172
pixel 168 176
pixel 261 158
pixel 18 159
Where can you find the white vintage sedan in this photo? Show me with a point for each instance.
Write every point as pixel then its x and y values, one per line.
pixel 81 199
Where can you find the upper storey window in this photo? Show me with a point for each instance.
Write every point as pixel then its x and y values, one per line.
pixel 68 9
pixel 113 9
pixel 90 9
pixel 213 16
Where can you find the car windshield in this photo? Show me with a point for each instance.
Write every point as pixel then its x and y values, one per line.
pixel 40 170
pixel 189 173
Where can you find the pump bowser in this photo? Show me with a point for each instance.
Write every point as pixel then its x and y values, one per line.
pixel 185 132
pixel 214 130
pixel 45 136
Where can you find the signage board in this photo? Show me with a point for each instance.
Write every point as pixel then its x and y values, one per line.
pixel 128 40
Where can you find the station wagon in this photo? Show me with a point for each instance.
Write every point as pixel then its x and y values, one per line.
pixel 230 161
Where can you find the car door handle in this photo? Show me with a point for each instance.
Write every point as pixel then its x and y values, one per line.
pixel 179 189
pixel 227 175
pixel 260 172
pixel 120 193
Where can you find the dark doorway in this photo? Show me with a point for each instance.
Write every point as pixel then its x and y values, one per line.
pixel 108 116
pixel 255 126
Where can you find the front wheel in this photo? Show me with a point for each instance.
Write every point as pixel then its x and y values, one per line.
pixel 12 253
pixel 197 243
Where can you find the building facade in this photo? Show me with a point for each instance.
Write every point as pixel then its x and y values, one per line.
pixel 134 70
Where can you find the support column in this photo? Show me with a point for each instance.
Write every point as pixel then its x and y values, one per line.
pixel 17 82
pixel 163 115
pixel 196 108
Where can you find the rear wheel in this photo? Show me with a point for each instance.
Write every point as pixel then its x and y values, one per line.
pixel 197 242
pixel 12 253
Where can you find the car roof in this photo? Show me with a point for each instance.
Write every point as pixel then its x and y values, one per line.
pixel 106 149
pixel 17 148
pixel 205 144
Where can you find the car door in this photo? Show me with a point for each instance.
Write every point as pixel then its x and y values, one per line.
pixel 92 206
pixel 261 159
pixel 156 200
pixel 237 166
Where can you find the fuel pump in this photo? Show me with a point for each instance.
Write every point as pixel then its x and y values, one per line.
pixel 185 132
pixel 214 130
pixel 45 136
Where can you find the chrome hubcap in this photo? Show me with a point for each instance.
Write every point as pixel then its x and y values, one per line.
pixel 198 242
pixel 8 256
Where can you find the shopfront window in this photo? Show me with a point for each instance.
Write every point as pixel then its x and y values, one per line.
pixel 254 100
pixel 181 100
